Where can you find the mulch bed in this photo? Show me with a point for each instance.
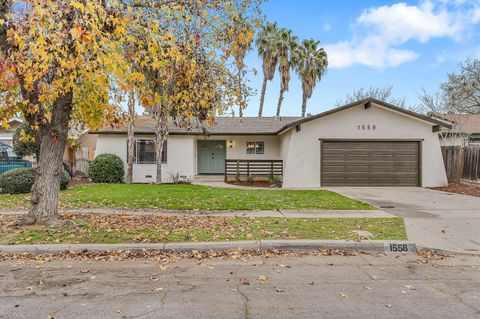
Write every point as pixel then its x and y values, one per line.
pixel 78 180
pixel 464 189
pixel 265 184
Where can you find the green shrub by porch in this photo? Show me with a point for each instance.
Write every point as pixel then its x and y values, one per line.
pixel 106 168
pixel 20 180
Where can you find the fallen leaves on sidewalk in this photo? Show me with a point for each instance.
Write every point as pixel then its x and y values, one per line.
pixel 262 278
pixel 244 281
pixel 343 295
pixel 431 255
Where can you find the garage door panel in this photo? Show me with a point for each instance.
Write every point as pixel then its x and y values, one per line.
pixel 370 163
pixel 356 145
pixel 382 157
pixel 406 157
pixel 334 146
pixel 349 168
pixel 357 157
pixel 334 169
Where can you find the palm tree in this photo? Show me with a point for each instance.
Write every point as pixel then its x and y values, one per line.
pixel 311 63
pixel 284 44
pixel 265 43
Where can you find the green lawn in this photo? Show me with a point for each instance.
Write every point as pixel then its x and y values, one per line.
pixel 102 228
pixel 191 197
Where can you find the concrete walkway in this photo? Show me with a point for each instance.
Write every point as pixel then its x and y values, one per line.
pixel 433 219
pixel 229 213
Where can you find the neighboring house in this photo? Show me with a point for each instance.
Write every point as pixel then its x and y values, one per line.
pixel 80 151
pixel 6 135
pixel 366 143
pixel 465 129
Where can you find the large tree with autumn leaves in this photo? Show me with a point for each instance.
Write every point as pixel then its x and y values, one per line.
pixel 63 60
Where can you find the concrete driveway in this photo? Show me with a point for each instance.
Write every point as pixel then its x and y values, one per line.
pixel 433 219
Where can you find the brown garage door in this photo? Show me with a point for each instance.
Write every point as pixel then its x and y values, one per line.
pixel 369 163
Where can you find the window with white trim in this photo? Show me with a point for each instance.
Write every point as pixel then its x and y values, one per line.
pixel 257 147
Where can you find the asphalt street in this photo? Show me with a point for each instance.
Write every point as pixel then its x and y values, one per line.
pixel 362 286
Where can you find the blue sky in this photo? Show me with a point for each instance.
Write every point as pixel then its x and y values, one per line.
pixel 410 45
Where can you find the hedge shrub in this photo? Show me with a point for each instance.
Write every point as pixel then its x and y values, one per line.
pixel 20 180
pixel 106 168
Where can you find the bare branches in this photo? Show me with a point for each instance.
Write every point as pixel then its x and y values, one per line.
pixel 379 93
pixel 462 90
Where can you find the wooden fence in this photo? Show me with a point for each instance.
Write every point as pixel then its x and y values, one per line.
pixel 245 168
pixel 471 160
pixel 461 162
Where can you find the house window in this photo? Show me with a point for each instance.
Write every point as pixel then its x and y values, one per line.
pixel 257 147
pixel 144 152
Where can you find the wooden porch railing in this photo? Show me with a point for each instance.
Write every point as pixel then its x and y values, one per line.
pixel 245 168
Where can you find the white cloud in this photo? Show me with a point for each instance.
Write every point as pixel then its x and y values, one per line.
pixel 381 31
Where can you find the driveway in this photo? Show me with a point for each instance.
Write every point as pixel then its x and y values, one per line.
pixel 433 219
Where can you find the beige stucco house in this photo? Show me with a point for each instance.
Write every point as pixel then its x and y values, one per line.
pixel 366 143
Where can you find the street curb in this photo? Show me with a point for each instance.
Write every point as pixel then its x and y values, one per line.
pixel 368 246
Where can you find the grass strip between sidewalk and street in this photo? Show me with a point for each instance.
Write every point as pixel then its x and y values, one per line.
pixel 191 197
pixel 103 228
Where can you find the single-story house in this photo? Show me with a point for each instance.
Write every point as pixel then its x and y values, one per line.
pixel 366 143
pixel 465 129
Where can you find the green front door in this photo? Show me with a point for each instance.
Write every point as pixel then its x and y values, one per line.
pixel 211 157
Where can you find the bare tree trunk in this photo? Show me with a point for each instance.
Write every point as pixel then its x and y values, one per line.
pixel 280 100
pixel 240 97
pixel 262 96
pixel 46 189
pixel 131 116
pixel 304 104
pixel 161 133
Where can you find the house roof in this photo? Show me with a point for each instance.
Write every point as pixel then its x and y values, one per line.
pixel 223 126
pixel 386 105
pixel 463 123
pixel 258 125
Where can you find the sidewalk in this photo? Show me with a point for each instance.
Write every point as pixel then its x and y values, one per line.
pixel 228 213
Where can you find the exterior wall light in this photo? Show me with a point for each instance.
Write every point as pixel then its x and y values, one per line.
pixel 230 144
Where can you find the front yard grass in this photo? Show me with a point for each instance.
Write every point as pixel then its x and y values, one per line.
pixel 191 197
pixel 103 228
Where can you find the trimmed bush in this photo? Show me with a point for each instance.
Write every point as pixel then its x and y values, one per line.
pixel 106 168
pixel 20 180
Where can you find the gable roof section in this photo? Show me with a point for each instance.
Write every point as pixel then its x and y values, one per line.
pixel 386 105
pixel 462 123
pixel 223 126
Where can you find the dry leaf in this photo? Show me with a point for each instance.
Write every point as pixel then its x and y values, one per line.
pixel 343 295
pixel 262 278
pixel 280 290
pixel 244 281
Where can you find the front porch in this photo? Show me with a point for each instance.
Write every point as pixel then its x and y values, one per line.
pixel 238 158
